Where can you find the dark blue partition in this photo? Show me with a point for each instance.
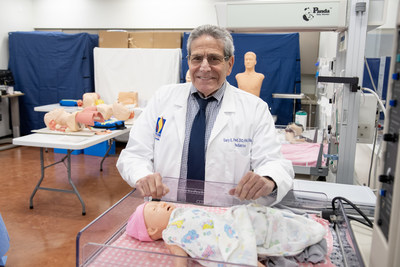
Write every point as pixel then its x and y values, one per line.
pixel 374 65
pixel 48 67
pixel 278 58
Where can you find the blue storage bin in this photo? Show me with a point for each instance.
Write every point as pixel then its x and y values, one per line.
pixel 99 149
pixel 64 151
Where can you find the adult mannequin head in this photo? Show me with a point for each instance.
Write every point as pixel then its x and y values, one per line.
pixel 210 57
pixel 250 60
pixel 187 77
pixel 249 80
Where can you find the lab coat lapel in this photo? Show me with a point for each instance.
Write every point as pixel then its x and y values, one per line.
pixel 228 107
pixel 180 114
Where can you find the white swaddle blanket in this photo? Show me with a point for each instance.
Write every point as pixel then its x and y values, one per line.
pixel 242 232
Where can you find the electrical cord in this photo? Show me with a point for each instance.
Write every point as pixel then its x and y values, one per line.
pixel 383 109
pixel 370 74
pixel 378 152
pixel 367 221
pixel 381 105
pixel 372 155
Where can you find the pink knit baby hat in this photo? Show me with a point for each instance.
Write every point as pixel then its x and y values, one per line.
pixel 136 226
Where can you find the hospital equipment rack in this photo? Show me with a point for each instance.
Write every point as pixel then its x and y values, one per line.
pixel 102 234
pixel 346 233
pixel 70 143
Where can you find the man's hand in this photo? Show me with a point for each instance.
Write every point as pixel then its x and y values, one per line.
pixel 152 185
pixel 253 186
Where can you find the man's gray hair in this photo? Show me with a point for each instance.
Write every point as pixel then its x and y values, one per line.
pixel 216 32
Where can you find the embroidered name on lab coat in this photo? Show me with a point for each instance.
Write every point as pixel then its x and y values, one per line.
pixel 239 142
pixel 159 127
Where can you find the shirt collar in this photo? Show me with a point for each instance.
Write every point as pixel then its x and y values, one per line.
pixel 217 95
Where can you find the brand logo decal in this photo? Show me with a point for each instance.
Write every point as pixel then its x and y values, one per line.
pixel 311 12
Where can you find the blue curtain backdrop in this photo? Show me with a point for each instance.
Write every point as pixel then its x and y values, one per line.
pixel 278 58
pixel 374 66
pixel 48 67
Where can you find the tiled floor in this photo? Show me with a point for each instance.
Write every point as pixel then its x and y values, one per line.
pixel 46 235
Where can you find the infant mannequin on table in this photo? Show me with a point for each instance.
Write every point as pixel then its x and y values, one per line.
pixel 118 110
pixel 293 133
pixel 238 235
pixel 93 110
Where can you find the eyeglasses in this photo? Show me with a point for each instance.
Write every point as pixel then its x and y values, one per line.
pixel 213 60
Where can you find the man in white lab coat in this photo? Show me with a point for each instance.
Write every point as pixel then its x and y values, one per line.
pixel 240 143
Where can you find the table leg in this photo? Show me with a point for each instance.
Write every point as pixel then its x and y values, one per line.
pixel 72 184
pixel 40 180
pixel 110 143
pixel 68 166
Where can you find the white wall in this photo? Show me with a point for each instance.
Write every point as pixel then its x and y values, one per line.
pixel 392 7
pixel 27 15
pixel 16 15
pixel 379 41
pixel 123 14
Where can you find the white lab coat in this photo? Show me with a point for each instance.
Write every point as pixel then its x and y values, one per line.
pixel 242 139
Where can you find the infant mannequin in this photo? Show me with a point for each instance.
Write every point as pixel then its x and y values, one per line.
pixel 94 110
pixel 293 133
pixel 60 120
pixel 118 110
pixel 250 80
pixel 121 112
pixel 105 110
pixel 91 99
pixel 236 236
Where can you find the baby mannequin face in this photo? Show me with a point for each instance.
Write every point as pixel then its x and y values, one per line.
pixel 156 216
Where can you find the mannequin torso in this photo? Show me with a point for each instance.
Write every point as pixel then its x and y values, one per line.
pixel 250 80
